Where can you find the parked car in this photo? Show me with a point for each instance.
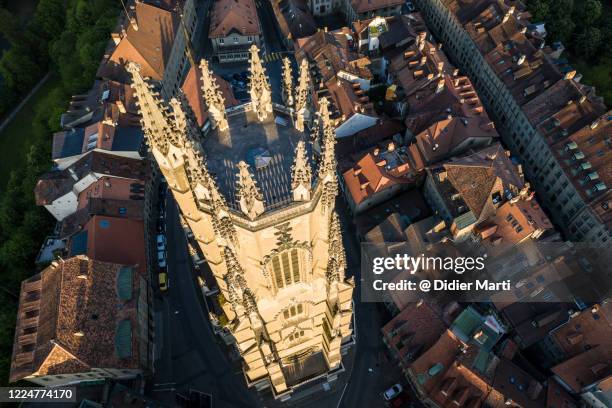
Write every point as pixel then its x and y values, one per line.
pixel 392 392
pixel 163 281
pixel 161 259
pixel 161 242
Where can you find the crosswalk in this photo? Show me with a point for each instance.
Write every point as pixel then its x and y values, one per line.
pixel 273 56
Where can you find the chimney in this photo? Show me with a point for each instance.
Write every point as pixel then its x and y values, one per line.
pixel 116 37
pixel 121 106
pixel 134 23
pixel 570 75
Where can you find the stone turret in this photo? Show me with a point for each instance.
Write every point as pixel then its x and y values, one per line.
pixel 287 83
pixel 251 200
pixel 214 99
pixel 327 167
pixel 261 95
pixel 301 177
pixel 301 105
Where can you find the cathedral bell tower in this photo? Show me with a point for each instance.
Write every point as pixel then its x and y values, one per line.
pixel 262 211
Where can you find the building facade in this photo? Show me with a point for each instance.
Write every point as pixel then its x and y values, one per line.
pixel 270 234
pixel 234 27
pixel 515 79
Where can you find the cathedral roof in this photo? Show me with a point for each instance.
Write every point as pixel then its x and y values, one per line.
pixel 249 140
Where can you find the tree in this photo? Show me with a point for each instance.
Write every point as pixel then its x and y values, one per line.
pixel 8 26
pixel 50 17
pixel 19 69
pixel 539 9
pixel 587 12
pixel 587 41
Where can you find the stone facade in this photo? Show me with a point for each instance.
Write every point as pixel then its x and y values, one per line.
pixel 280 266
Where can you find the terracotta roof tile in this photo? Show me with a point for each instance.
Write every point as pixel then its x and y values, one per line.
pixel 229 16
pixel 192 87
pixel 67 319
pixel 149 45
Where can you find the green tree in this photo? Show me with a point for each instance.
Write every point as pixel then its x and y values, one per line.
pixel 587 12
pixel 50 17
pixel 8 26
pixel 539 9
pixel 587 42
pixel 19 69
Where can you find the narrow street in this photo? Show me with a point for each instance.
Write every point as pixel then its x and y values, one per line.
pixel 191 356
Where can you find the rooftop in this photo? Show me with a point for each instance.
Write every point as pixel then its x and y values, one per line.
pixel 433 102
pixel 76 315
pixel 414 330
pixel 233 16
pixel 268 148
pixel 379 170
pixel 147 41
pixel 452 134
pixel 477 182
pixel 111 239
pixel 294 18
pixel 192 88
pixel 364 6
pixel 57 183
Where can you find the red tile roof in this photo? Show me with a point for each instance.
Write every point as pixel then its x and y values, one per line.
pixel 229 16
pixel 364 6
pixel 149 44
pixel 192 87
pixel 117 240
pixel 452 135
pixel 375 172
pixel 414 331
pixel 68 316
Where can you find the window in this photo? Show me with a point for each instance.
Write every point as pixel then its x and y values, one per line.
pixel 296 335
pixel 286 268
pixel 293 311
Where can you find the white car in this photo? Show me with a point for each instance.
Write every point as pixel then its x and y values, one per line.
pixel 161 242
pixel 161 259
pixel 392 392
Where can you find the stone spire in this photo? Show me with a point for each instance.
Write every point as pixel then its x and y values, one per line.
pixel 214 99
pixel 251 200
pixel 327 167
pixel 301 174
pixel 261 95
pixel 301 104
pixel 287 83
pixel 156 122
pixel 337 258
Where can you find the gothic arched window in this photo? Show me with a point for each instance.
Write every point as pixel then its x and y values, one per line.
pixel 286 267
